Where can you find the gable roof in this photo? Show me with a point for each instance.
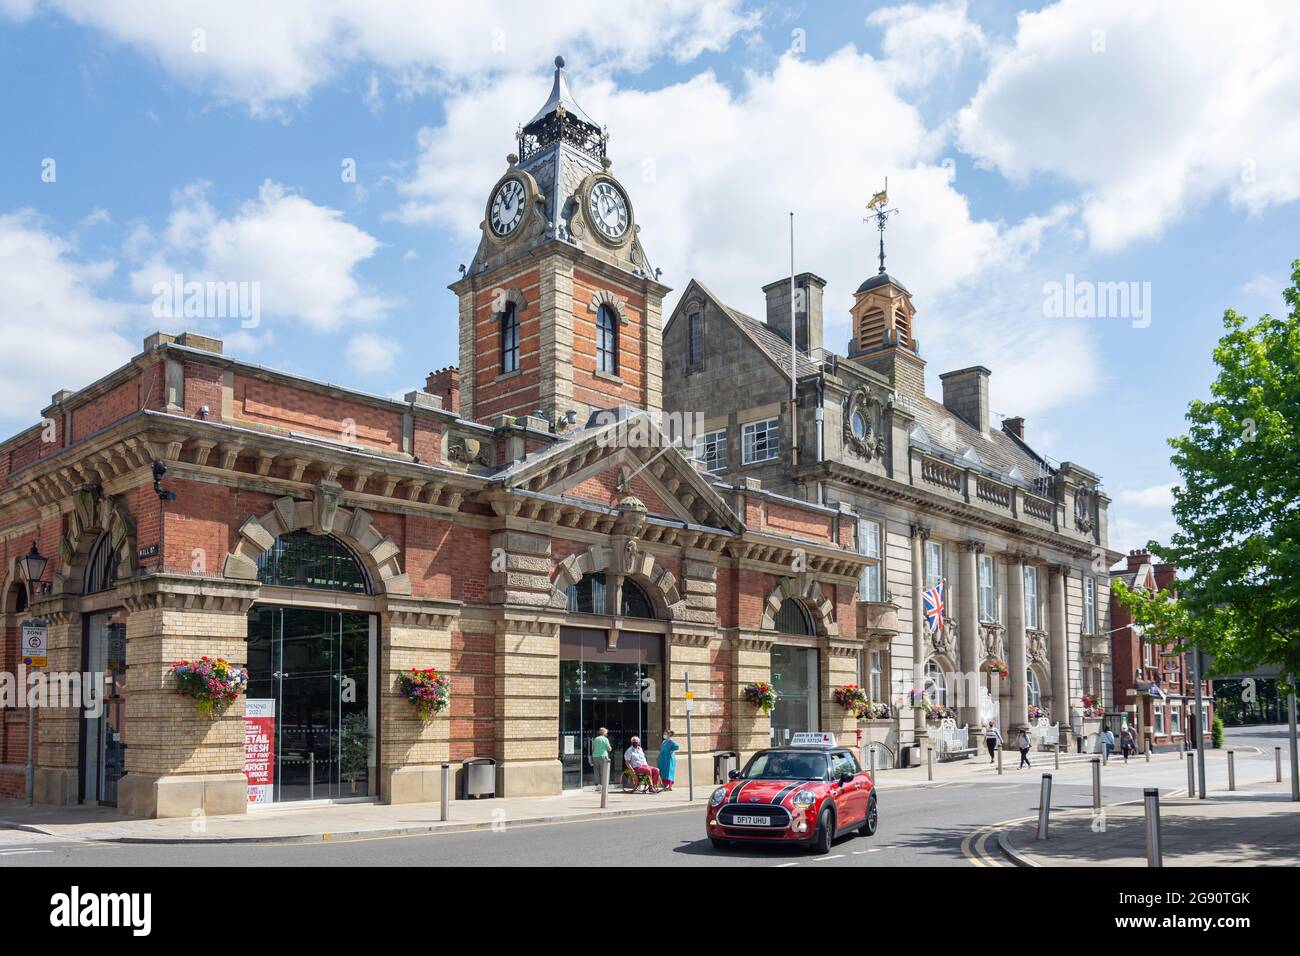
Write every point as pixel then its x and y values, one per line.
pixel 772 344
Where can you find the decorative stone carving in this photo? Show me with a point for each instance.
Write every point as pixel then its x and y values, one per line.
pixel 991 642
pixel 1085 501
pixel 863 425
pixel 1036 646
pixel 466 450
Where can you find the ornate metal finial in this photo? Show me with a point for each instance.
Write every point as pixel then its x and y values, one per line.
pixel 879 213
pixel 559 62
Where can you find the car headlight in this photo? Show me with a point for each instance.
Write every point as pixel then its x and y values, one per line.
pixel 804 799
pixel 718 796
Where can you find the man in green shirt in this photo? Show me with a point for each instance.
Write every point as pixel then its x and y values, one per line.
pixel 600 748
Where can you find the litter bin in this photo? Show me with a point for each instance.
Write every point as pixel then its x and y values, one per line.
pixel 910 755
pixel 478 778
pixel 723 763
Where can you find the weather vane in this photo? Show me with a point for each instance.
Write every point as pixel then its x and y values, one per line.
pixel 878 212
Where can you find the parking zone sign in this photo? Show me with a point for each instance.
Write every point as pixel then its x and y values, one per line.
pixel 34 641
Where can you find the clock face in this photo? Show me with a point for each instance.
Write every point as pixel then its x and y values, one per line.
pixel 859 425
pixel 507 207
pixel 608 208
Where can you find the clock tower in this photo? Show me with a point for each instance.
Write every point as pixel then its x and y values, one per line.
pixel 560 310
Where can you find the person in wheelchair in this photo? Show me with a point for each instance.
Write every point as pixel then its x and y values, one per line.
pixel 639 768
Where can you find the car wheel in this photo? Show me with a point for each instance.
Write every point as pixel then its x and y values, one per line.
pixel 869 824
pixel 719 844
pixel 825 835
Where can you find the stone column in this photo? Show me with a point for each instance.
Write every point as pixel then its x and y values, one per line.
pixel 1017 659
pixel 691 650
pixel 413 633
pixel 839 660
pixel 919 636
pixel 177 761
pixel 968 625
pixel 752 728
pixel 1058 646
pixel 56 777
pixel 527 690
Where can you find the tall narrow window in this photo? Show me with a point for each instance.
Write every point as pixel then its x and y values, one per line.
pixel 607 340
pixel 509 339
pixel 869 544
pixel 1089 606
pixel 695 336
pixel 1031 596
pixel 933 564
pixel 988 596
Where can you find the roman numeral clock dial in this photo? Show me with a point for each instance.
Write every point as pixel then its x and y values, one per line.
pixel 507 210
pixel 607 207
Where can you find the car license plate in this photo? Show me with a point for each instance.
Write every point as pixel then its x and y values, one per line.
pixel 749 821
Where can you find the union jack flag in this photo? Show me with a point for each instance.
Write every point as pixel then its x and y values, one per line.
pixel 933 600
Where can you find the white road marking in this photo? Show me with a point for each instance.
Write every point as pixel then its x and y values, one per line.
pixel 19 852
pixel 795 863
pixel 818 859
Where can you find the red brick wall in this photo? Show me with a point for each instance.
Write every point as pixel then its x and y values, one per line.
pixel 603 489
pixel 203 387
pixel 115 404
pixel 303 410
pixel 587 386
pixel 785 519
pixel 520 392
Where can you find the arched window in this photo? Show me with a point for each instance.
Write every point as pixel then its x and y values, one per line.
pixel 101 566
pixel 936 684
pixel 793 618
pixel 607 340
pixel 304 560
pixel 509 339
pixel 1035 692
pixel 588 596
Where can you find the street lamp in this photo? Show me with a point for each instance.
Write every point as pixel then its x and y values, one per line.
pixel 33 565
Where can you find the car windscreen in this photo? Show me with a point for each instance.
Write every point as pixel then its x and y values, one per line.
pixel 786 765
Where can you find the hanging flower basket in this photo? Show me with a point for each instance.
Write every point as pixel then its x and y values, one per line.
pixel 852 698
pixel 1092 706
pixel 918 699
pixel 761 694
pixel 1035 712
pixel 999 668
pixel 935 713
pixel 212 681
pixel 427 689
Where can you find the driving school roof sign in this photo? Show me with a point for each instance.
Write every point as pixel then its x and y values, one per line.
pixel 812 739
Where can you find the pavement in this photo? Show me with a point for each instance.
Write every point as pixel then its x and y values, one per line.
pixel 1258 825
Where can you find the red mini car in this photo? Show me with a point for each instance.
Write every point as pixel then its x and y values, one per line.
pixel 803 794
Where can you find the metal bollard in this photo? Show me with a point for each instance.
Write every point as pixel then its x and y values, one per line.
pixel 1096 784
pixel 873 766
pixel 1277 762
pixel 1191 774
pixel 446 791
pixel 1056 757
pixel 604 782
pixel 1151 802
pixel 1148 753
pixel 929 763
pixel 1232 772
pixel 1044 806
pixel 999 760
pixel 311 775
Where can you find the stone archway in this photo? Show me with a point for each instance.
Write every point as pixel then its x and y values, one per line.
pixel 605 297
pixel 93 515
pixel 627 558
pixel 379 552
pixel 808 592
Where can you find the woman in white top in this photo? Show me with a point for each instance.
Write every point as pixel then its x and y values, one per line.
pixel 992 737
pixel 1024 743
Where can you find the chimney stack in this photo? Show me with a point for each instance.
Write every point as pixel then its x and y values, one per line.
pixel 445 383
pixel 808 309
pixel 966 395
pixel 1014 426
pixel 1138 558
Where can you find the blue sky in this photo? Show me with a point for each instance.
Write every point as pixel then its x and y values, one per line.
pixel 1154 145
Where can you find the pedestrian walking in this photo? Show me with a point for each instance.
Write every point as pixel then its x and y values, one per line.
pixel 600 748
pixel 1127 742
pixel 668 759
pixel 1024 743
pixel 1108 742
pixel 992 737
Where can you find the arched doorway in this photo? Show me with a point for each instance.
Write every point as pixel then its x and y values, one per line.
pixel 611 673
pixel 795 672
pixel 312 671
pixel 103 735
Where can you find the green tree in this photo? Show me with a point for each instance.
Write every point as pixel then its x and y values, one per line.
pixel 1238 507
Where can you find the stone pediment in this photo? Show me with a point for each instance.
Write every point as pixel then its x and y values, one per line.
pixel 628 457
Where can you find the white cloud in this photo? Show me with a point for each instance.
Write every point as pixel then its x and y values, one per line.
pixel 1150 109
pixel 1153 496
pixel 262 53
pixel 55 327
pixel 920 43
pixel 304 257
pixel 371 353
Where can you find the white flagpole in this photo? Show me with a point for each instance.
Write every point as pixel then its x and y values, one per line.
pixel 794 394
